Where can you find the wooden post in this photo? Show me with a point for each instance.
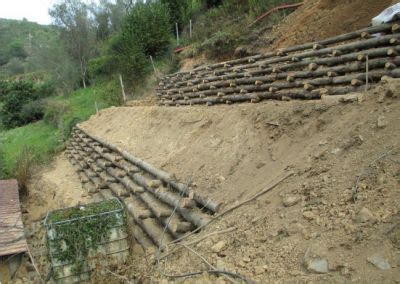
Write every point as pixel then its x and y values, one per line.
pixel 177 33
pixel 152 63
pixel 122 88
pixel 97 107
pixel 190 28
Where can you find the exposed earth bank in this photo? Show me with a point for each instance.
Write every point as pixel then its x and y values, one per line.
pixel 317 224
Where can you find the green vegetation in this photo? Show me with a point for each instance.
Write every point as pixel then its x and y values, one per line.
pixel 44 138
pixel 83 211
pixel 16 41
pixel 81 229
pixel 89 45
pixel 21 102
pixel 39 137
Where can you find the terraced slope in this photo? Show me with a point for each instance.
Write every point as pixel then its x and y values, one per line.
pixel 154 199
pixel 333 66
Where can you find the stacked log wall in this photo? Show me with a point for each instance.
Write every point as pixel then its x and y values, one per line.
pixel 333 66
pixel 161 208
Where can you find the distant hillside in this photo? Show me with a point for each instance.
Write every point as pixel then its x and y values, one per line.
pixel 21 43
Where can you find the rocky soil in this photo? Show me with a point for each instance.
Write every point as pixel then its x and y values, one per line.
pixel 335 219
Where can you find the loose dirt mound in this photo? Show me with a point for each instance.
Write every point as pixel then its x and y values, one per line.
pixel 319 19
pixel 308 227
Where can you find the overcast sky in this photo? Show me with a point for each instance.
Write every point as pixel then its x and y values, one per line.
pixel 33 10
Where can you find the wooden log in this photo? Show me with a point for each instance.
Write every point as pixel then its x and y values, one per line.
pixel 140 236
pixel 106 193
pixel 180 227
pixel 149 226
pixel 373 53
pixel 316 45
pixel 131 185
pixel 115 172
pixel 158 208
pixel 83 177
pixel 187 203
pixel 89 173
pixel 106 177
pixel 90 187
pixel 136 207
pixel 165 177
pixel 118 189
pixel 196 218
pixel 155 232
pixel 99 183
pixel 329 41
pixel 103 163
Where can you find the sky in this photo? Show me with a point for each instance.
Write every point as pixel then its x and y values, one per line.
pixel 32 10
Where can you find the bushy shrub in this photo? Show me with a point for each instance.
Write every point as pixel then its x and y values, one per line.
pixel 54 111
pixel 16 49
pixel 148 26
pixel 111 93
pixel 100 66
pixel 22 103
pixel 128 58
pixel 220 44
pixel 146 31
pixel 32 111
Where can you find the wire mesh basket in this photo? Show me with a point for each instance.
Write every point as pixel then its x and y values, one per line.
pixel 80 238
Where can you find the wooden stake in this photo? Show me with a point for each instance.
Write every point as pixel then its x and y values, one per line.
pixel 152 63
pixel 177 33
pixel 122 88
pixel 97 107
pixel 190 28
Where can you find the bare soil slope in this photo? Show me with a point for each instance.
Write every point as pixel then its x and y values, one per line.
pixel 309 227
pixel 319 19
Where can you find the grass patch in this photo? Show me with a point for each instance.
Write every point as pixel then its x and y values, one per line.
pixel 44 139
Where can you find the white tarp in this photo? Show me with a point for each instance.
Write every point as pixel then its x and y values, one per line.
pixel 387 15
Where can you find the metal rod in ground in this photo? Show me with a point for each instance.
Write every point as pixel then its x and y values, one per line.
pixel 122 88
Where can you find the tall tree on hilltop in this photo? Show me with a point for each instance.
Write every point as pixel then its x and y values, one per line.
pixel 77 31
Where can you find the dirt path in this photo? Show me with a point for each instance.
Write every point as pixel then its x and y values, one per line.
pixel 53 187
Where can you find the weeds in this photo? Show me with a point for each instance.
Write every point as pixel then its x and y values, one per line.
pixel 23 171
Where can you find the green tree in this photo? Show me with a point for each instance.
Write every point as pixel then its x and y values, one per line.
pixel 77 32
pixel 146 31
pixel 148 25
pixel 21 102
pixel 177 10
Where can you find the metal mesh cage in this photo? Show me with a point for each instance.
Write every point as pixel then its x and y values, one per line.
pixel 81 237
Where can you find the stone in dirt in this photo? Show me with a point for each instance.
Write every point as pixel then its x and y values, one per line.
pixel 309 215
pixel 317 265
pixel 381 122
pixel 259 270
pixel 218 247
pixel 290 200
pixel 364 215
pixel 246 259
pixel 379 262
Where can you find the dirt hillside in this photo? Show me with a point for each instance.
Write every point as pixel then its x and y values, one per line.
pixel 319 19
pixel 314 225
